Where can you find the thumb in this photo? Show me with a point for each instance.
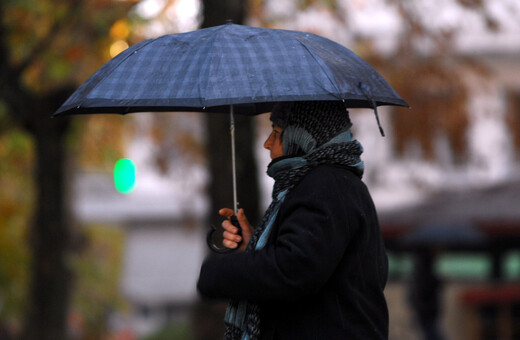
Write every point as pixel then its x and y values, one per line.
pixel 244 223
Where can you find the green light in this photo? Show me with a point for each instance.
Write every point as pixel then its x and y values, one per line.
pixel 124 175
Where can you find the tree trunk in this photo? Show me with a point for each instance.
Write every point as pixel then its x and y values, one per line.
pixel 48 296
pixel 208 318
pixel 48 299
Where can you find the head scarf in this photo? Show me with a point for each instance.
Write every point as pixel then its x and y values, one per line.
pixel 309 124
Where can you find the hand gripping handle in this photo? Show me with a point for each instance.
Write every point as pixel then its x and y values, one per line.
pixel 224 250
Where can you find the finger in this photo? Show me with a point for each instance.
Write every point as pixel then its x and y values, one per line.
pixel 226 212
pixel 229 244
pixel 226 225
pixel 231 237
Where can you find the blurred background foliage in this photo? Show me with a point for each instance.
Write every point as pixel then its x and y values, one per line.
pixel 47 48
pixel 96 286
pixel 16 205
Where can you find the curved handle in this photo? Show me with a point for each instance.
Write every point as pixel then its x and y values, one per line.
pixel 224 250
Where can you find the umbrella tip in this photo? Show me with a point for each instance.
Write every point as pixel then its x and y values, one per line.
pixel 381 131
pixel 367 92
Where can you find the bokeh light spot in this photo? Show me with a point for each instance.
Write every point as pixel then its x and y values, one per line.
pixel 124 175
pixel 118 47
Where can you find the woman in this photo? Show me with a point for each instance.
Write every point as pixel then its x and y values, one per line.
pixel 315 267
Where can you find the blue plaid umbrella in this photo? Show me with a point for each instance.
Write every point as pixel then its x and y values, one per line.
pixel 230 68
pixel 213 68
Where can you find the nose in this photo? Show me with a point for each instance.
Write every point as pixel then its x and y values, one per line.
pixel 268 142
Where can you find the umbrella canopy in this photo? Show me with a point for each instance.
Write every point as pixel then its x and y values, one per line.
pixel 213 68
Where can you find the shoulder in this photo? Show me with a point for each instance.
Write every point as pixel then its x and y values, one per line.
pixel 331 177
pixel 335 186
pixel 333 193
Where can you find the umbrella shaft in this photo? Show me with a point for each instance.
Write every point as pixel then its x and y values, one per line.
pixel 233 161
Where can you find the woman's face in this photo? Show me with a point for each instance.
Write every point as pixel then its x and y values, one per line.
pixel 273 143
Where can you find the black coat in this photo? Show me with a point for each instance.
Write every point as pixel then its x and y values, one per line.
pixel 322 273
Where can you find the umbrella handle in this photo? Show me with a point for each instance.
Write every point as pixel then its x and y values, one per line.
pixel 214 247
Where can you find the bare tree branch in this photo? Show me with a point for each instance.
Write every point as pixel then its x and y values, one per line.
pixel 57 26
pixel 9 86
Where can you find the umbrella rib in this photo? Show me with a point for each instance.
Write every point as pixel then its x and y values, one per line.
pixel 203 90
pixel 325 69
pixel 209 60
pixel 144 44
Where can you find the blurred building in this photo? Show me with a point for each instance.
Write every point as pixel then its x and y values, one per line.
pixel 164 247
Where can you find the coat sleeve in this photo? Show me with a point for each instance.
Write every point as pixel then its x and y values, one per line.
pixel 317 222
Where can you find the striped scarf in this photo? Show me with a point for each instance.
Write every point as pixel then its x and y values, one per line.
pixel 243 317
